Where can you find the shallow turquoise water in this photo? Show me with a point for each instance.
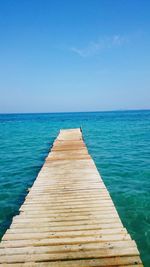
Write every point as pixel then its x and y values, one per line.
pixel 119 142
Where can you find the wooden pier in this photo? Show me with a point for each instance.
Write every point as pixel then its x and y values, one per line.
pixel 68 218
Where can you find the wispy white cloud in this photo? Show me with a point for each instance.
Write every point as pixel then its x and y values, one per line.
pixel 94 48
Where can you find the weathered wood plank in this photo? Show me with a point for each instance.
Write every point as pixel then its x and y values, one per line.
pixel 64 241
pixel 125 261
pixel 69 225
pixel 62 248
pixel 70 255
pixel 64 223
pixel 12 235
pixel 40 228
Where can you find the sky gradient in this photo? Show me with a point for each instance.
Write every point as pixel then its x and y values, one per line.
pixel 78 55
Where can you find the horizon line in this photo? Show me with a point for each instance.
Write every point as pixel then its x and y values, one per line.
pixel 59 112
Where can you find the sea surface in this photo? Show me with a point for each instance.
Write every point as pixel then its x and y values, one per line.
pixel 119 142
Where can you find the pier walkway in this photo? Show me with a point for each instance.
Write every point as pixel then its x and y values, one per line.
pixel 68 218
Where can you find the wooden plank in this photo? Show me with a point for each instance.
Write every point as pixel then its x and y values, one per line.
pixel 46 228
pixel 64 241
pixel 48 209
pixel 64 223
pixel 69 255
pixel 131 261
pixel 74 201
pixel 62 248
pixel 59 218
pixel 69 225
pixel 68 218
pixel 9 235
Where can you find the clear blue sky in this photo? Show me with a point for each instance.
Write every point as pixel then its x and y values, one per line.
pixel 74 55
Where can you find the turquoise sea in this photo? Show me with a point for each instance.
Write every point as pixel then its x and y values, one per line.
pixel 118 141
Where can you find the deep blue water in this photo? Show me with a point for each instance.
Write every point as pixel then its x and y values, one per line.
pixel 119 142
